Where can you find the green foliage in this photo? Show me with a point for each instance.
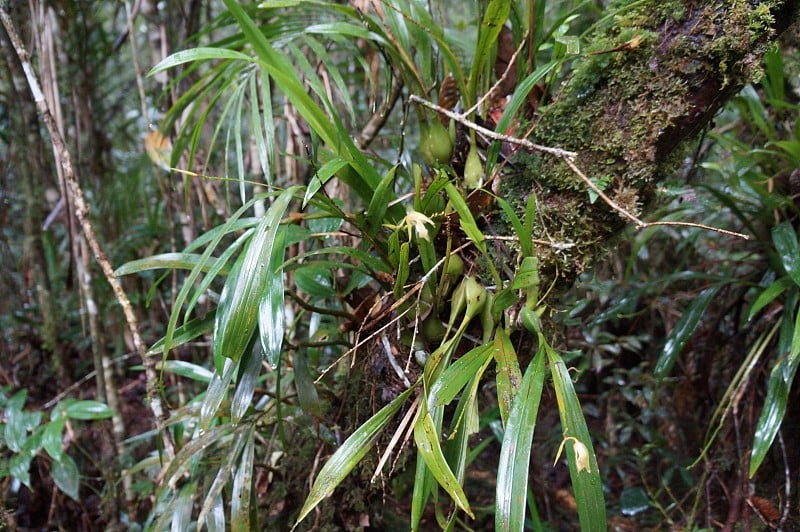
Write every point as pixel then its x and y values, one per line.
pixel 24 436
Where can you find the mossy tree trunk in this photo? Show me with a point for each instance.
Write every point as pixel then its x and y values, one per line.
pixel 652 78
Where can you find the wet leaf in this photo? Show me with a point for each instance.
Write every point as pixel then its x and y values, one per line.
pixel 65 475
pixel 683 331
pixel 514 465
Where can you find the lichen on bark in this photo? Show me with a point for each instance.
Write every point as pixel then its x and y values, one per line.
pixel 630 113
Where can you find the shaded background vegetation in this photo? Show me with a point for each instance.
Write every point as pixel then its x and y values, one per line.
pixel 672 360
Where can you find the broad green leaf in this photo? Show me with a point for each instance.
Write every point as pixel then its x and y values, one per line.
pixel 88 410
pixel 774 409
pixel 769 295
pixel 65 475
pixel 18 421
pixel 315 281
pixel 176 261
pixel 350 453
pixel 785 240
pixel 683 331
pixel 19 467
pixel 515 453
pixel 507 375
pixel 52 438
pixel 583 470
pixel 457 375
pixel 238 309
pixel 186 369
pixel 242 490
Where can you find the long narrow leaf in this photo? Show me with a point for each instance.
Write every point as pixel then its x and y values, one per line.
pixel 350 453
pixel 583 470
pixel 774 409
pixel 683 331
pixel 241 296
pixel 512 471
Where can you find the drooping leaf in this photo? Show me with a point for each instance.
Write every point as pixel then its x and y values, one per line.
pixel 350 453
pixel 512 471
pixel 583 469
pixel 238 309
pixel 65 475
pixel 426 436
pixel 683 331
pixel 242 490
pixel 774 409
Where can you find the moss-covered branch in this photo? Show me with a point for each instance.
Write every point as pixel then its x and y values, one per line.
pixel 629 113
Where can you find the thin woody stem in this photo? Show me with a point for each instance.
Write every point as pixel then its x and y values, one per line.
pixel 569 158
pixel 82 214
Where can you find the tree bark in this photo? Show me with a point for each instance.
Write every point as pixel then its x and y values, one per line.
pixel 651 79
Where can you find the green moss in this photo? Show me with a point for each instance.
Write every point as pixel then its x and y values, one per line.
pixel 625 113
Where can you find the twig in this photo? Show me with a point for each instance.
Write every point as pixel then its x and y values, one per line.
pixel 492 134
pixel 82 213
pixel 788 485
pixel 569 158
pixel 639 223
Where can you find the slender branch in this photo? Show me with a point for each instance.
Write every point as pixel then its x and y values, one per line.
pixel 492 134
pixel 82 213
pixel 639 223
pixel 569 158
